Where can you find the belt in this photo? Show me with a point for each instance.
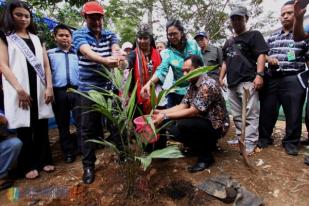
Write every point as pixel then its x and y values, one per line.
pixel 284 73
pixel 66 87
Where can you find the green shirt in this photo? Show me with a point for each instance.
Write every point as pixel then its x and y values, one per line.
pixel 175 59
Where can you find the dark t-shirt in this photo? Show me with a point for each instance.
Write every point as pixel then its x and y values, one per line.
pixel 251 44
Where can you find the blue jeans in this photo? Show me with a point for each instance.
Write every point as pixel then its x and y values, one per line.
pixel 9 151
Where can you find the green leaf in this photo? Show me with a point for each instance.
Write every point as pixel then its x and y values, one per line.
pixel 105 143
pixel 145 161
pixel 153 96
pixel 169 152
pixel 127 85
pixel 131 104
pixel 195 73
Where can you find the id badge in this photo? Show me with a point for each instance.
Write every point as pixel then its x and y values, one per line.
pixel 291 56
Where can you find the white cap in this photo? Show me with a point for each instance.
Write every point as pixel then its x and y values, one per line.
pixel 126 45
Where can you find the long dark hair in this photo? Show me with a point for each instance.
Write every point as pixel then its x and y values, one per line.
pixel 179 26
pixel 7 22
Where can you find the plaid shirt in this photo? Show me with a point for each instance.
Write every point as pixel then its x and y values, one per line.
pixel 280 44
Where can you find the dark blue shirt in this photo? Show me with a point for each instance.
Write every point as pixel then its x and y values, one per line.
pixel 88 75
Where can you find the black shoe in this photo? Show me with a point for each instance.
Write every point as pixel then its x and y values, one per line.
pixel 69 158
pixel 263 143
pixel 88 176
pixel 291 149
pixel 306 160
pixel 200 166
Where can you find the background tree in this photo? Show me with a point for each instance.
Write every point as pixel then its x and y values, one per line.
pixel 124 16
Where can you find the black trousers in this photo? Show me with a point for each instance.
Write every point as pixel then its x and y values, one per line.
pixel 199 135
pixel 307 113
pixel 91 129
pixel 285 91
pixel 35 152
pixel 65 103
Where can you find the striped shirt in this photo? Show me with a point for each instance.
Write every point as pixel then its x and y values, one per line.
pixel 281 44
pixel 88 75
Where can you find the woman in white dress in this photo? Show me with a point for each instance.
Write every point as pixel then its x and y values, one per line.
pixel 27 87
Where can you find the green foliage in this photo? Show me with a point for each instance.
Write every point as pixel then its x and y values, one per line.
pixel 169 152
pixel 125 17
pixel 43 31
pixel 69 15
pixel 47 4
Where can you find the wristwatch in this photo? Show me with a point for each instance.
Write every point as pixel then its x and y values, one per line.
pixel 261 74
pixel 165 117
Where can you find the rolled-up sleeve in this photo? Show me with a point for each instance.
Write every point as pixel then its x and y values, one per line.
pixel 163 68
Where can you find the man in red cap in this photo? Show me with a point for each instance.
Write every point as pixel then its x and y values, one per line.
pixel 95 47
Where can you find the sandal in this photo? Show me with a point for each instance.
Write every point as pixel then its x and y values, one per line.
pixel 49 168
pixel 33 174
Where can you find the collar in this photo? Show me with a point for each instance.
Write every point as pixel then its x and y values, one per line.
pixel 103 32
pixel 283 32
pixel 71 50
pixel 200 80
pixel 207 50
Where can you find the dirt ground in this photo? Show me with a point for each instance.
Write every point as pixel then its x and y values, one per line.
pixel 280 180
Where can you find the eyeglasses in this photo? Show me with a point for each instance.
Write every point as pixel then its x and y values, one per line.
pixel 172 34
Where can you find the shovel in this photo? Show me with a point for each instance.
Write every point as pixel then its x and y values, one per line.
pixel 241 142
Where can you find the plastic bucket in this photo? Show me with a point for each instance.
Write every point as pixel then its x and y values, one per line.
pixel 144 129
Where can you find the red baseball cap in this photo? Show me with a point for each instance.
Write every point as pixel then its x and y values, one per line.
pixel 92 7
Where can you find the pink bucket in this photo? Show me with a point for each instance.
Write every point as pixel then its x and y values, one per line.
pixel 144 129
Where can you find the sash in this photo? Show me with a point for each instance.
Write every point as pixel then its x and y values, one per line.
pixel 31 58
pixel 142 75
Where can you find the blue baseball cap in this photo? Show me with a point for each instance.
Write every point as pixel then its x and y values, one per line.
pixel 201 34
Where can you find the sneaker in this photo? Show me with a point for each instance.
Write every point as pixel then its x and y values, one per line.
pixel 233 141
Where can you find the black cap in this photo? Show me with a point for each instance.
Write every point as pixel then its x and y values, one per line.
pixel 239 11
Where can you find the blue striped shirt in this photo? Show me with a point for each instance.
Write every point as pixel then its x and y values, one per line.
pixel 88 75
pixel 280 44
pixel 64 67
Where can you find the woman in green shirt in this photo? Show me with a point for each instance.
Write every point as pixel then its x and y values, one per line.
pixel 178 49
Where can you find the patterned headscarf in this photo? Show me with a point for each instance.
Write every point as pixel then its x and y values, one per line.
pixel 144 30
